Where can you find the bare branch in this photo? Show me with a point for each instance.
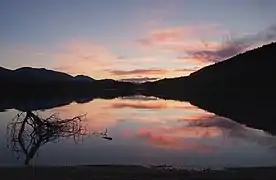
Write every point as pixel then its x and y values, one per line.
pixel 27 133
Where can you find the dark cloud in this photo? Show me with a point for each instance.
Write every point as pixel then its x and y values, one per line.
pixel 216 121
pixel 140 98
pixel 137 72
pixel 236 46
pixel 143 73
pixel 138 80
pixel 187 69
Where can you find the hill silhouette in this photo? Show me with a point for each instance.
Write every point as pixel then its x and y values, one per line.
pixel 37 75
pixel 241 88
pixel 31 82
pixel 83 78
pixel 253 69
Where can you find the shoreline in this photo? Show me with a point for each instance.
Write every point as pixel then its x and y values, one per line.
pixel 133 172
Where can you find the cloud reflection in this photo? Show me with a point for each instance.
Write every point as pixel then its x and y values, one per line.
pixel 168 141
pixel 98 119
pixel 151 105
pixel 172 125
pixel 233 130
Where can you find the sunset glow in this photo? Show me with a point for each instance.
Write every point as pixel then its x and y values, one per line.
pixel 130 39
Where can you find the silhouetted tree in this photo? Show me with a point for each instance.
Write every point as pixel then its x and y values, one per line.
pixel 28 132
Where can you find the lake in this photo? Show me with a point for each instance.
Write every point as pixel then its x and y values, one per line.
pixel 135 130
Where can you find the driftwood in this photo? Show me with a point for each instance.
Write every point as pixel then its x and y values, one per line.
pixel 28 132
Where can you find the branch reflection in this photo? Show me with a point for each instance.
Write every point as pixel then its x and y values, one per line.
pixel 28 132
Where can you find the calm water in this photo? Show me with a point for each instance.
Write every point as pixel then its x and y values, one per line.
pixel 144 131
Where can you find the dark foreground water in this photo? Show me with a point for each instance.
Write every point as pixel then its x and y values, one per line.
pixel 144 131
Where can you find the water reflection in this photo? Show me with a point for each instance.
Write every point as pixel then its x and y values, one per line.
pixel 148 130
pixel 28 132
pixel 234 130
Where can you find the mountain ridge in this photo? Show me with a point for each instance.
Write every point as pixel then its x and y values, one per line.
pixel 30 82
pixel 39 74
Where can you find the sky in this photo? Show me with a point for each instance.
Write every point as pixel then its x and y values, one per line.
pixel 134 40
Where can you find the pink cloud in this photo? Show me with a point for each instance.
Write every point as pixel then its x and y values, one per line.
pixel 174 136
pixel 163 36
pixel 160 140
pixel 178 35
pixel 192 132
pixel 127 133
pixel 168 141
pixel 185 41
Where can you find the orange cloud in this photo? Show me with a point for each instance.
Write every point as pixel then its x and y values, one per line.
pixel 150 105
pixel 196 117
